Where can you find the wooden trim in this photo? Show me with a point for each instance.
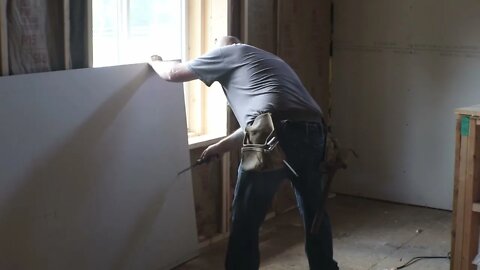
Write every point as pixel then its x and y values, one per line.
pixel 4 69
pixel 195 47
pixel 185 29
pixel 89 33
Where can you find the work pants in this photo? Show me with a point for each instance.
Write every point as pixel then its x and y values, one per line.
pixel 304 146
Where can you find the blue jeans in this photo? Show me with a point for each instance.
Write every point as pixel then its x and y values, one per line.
pixel 304 145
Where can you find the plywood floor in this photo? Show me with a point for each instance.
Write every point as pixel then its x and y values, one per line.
pixel 368 234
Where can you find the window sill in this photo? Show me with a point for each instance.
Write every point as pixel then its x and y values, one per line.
pixel 203 140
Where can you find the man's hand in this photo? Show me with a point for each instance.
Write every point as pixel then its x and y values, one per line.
pixel 156 58
pixel 212 151
pixel 172 70
pixel 229 143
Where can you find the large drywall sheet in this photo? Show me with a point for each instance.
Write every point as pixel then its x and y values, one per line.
pixel 88 171
pixel 400 70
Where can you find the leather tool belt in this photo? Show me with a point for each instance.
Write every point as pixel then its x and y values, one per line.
pixel 261 150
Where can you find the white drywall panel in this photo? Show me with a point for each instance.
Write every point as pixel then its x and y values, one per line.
pixel 89 161
pixel 400 70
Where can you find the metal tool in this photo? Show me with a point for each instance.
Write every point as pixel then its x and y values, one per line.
pixel 199 161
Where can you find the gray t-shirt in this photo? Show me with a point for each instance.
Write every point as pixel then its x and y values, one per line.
pixel 256 81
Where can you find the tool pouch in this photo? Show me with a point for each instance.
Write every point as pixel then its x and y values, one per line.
pixel 261 150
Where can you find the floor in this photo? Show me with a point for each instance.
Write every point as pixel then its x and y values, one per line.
pixel 368 234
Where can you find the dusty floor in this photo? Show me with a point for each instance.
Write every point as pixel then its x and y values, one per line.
pixel 367 234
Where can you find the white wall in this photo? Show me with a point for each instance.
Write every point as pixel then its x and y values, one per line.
pixel 400 70
pixel 88 171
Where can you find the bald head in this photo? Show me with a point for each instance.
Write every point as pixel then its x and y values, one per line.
pixel 227 40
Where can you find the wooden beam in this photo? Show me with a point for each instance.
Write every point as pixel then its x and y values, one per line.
pixel 472 110
pixel 3 38
pixel 460 198
pixel 471 220
pixel 234 18
pixel 262 13
pixel 226 194
pixel 245 22
pixel 304 35
pixel 466 221
pixel 455 191
pixel 90 33
pixel 66 34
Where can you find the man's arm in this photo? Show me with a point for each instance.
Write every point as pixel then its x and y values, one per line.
pixel 229 143
pixel 173 71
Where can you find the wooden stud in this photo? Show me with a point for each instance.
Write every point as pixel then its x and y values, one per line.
pixel 4 69
pixel 460 200
pixel 225 193
pixel 234 18
pixel 66 34
pixel 455 186
pixel 466 205
pixel 261 13
pixel 245 22
pixel 470 223
pixel 90 32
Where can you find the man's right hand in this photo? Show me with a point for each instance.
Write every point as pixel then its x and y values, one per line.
pixel 156 57
pixel 229 143
pixel 213 151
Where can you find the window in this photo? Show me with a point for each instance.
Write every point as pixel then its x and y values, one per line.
pixel 130 31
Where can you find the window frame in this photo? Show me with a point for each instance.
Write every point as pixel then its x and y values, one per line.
pixel 200 20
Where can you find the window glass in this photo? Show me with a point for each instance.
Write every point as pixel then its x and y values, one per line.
pixel 130 31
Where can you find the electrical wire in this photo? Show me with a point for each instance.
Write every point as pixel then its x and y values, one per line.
pixel 416 259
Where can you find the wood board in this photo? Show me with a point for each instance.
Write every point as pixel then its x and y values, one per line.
pixel 465 218
pixel 3 39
